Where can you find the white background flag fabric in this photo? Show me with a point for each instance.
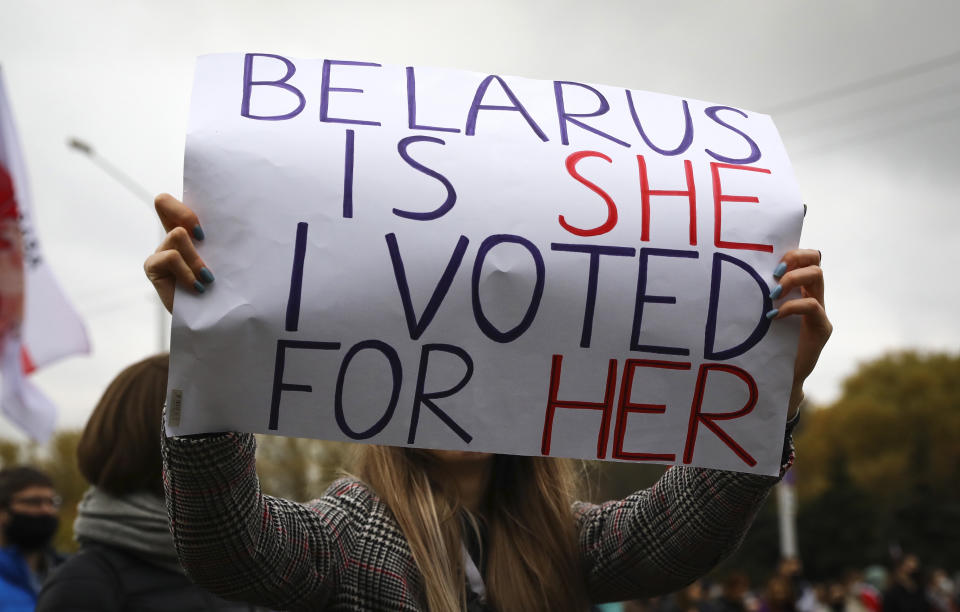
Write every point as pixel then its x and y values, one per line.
pixel 38 323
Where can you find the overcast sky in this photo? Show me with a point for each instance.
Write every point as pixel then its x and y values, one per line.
pixel 874 145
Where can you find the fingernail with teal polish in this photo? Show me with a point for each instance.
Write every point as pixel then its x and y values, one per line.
pixel 199 286
pixel 776 273
pixel 773 313
pixel 207 276
pixel 198 232
pixel 773 294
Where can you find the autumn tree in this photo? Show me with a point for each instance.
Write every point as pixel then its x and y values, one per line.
pixel 880 467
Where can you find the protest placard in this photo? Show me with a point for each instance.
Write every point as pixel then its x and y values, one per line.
pixel 445 259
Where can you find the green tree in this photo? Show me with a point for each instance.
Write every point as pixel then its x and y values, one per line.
pixel 9 453
pixel 881 465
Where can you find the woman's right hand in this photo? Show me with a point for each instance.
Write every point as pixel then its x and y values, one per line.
pixel 176 259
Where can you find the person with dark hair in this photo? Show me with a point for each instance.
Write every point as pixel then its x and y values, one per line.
pixel 691 599
pixel 28 520
pixel 127 559
pixel 779 595
pixel 736 588
pixel 906 593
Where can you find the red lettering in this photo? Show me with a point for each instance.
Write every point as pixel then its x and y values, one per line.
pixel 708 418
pixel 719 198
pixel 26 361
pixel 611 205
pixel 606 406
pixel 625 407
pixel 646 192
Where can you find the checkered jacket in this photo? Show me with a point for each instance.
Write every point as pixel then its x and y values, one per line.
pixel 345 551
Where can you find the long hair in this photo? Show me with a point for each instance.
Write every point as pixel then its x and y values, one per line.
pixel 531 557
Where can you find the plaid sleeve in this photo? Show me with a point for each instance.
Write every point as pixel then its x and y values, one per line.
pixel 660 539
pixel 241 544
pixel 663 538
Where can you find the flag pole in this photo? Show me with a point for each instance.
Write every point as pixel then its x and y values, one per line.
pixel 787 517
pixel 141 193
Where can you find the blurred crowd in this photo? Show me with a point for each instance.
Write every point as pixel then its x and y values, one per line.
pixel 906 586
pixel 29 512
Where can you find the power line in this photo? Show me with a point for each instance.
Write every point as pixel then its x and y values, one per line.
pixel 864 112
pixel 953 113
pixel 864 84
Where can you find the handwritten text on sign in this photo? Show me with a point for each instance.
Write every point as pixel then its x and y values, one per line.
pixel 445 259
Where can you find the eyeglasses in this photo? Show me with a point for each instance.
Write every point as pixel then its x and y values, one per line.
pixel 38 501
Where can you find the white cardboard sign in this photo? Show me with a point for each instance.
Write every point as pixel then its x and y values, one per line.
pixel 445 259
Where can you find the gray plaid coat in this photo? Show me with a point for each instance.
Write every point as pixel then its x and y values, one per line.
pixel 345 551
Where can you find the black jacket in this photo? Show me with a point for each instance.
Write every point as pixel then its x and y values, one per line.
pixel 106 579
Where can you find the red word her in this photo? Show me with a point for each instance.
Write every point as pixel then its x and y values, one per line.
pixel 624 407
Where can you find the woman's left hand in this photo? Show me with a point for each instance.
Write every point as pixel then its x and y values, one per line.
pixel 802 269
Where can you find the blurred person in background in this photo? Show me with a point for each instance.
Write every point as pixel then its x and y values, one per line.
pixel 804 597
pixel 956 589
pixel 127 560
pixel 941 592
pixel 836 597
pixel 736 588
pixel 861 595
pixel 778 595
pixel 691 599
pixel 876 577
pixel 819 603
pixel 906 592
pixel 28 521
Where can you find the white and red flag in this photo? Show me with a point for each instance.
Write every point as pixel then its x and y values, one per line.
pixel 38 325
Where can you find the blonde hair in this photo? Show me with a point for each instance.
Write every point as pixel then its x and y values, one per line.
pixel 531 555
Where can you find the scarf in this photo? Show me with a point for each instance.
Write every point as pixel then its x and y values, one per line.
pixel 135 523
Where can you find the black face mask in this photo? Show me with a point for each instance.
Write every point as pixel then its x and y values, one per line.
pixel 30 531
